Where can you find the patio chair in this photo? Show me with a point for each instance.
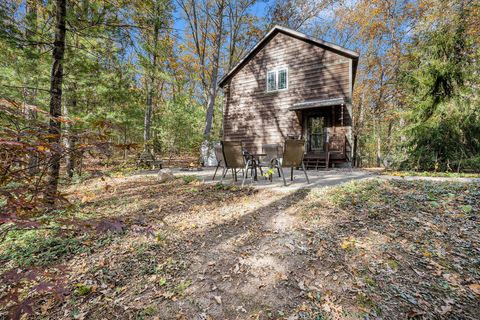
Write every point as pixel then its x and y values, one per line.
pixel 293 152
pixel 271 151
pixel 220 160
pixel 247 156
pixel 234 159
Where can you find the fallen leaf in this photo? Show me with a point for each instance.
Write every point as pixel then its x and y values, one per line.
pixel 46 306
pixel 445 309
pixel 414 313
pixel 301 285
pixel 289 246
pixel 282 276
pixel 475 287
pixel 451 278
pixel 236 269
pixel 242 309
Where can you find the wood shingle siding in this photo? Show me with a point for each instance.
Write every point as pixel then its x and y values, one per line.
pixel 257 117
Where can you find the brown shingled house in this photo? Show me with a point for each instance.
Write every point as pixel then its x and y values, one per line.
pixel 292 85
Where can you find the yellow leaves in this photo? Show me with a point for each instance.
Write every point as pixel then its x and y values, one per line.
pixel 475 287
pixel 109 188
pixel 87 197
pixel 42 148
pixel 348 244
pixel 46 306
pixel 187 226
pixel 281 276
pixel 51 136
pixel 376 11
pixel 427 254
pixel 303 307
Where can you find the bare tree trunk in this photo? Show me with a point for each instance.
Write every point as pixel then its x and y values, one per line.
pixel 69 139
pixel 403 138
pixel 56 80
pixel 72 157
pixel 355 147
pixel 212 90
pixel 147 123
pixel 379 155
pixel 125 142
pixel 358 123
pixel 31 8
pixel 212 94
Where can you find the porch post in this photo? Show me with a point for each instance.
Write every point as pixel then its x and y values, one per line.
pixel 341 117
pixel 333 119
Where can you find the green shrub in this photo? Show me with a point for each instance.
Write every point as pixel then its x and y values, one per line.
pixel 189 178
pixel 472 164
pixel 39 248
pixel 83 289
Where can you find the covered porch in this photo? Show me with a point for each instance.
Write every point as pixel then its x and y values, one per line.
pixel 326 128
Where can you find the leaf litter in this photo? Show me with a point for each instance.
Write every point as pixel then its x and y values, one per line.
pixel 370 249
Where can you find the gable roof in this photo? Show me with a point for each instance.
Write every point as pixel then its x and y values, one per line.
pixel 295 34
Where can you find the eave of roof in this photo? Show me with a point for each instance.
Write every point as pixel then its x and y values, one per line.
pixel 276 29
pixel 318 103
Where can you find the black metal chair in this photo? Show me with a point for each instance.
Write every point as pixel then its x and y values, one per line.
pixel 293 152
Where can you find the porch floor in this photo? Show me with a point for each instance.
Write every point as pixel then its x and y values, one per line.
pixel 320 179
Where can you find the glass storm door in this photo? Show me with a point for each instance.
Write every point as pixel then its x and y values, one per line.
pixel 315 133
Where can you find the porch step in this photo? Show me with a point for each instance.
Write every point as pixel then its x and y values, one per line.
pixel 315 163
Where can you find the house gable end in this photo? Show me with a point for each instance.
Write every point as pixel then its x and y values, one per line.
pixel 263 45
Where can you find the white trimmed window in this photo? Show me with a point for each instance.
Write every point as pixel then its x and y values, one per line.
pixel 277 79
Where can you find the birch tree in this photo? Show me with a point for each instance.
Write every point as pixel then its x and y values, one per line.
pixel 205 20
pixel 220 33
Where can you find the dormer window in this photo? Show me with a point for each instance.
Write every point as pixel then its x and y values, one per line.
pixel 277 79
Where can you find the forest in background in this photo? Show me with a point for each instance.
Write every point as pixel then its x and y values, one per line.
pixel 103 80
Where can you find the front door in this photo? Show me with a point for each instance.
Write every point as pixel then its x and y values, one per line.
pixel 315 133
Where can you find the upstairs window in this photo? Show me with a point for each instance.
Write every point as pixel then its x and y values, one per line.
pixel 277 79
pixel 271 81
pixel 282 79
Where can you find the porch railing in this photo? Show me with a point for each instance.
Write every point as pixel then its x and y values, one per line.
pixel 340 144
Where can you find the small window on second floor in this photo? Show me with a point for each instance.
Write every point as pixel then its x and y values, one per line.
pixel 282 79
pixel 271 81
pixel 277 79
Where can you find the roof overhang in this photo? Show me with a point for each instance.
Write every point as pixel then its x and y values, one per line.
pixel 318 103
pixel 298 35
